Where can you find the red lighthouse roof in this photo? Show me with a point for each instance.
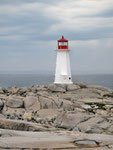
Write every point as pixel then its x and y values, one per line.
pixel 62 39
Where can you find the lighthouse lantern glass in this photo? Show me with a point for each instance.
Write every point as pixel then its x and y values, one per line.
pixel 62 43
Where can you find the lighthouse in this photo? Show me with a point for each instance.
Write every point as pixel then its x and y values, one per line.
pixel 63 70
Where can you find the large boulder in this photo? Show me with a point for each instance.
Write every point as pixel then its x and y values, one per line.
pixel 47 103
pixel 94 125
pixel 48 114
pixel 72 87
pixel 14 102
pixel 31 103
pixel 69 120
pixel 66 105
pixel 13 113
pixel 57 87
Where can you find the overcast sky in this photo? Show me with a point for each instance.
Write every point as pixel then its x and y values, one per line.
pixel 29 30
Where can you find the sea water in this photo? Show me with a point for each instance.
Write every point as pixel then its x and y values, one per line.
pixel 21 80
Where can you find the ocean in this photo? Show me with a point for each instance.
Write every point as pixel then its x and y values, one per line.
pixel 26 80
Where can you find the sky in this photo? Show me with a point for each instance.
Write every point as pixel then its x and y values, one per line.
pixel 29 30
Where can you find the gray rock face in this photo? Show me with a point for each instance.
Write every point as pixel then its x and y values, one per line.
pixel 70 120
pixel 1 105
pixel 72 87
pixel 47 103
pixel 20 125
pixel 54 140
pixel 57 87
pixel 68 111
pixel 62 87
pixel 86 93
pixel 86 143
pixel 2 116
pixel 48 114
pixel 99 88
pixel 13 113
pixel 14 103
pixel 93 125
pixel 31 103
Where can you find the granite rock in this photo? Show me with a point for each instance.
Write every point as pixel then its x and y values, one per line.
pixel 31 103
pixel 69 120
pixel 1 104
pixel 57 87
pixel 14 102
pixel 72 87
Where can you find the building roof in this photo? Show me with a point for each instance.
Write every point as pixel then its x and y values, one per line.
pixel 62 39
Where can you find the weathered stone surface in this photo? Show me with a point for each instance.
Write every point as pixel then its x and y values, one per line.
pixel 31 103
pixel 48 113
pixel 57 87
pixel 85 93
pixel 93 125
pixel 99 88
pixel 2 116
pixel 13 90
pixel 86 143
pixel 69 120
pixel 90 100
pixel 66 96
pixel 47 103
pixel 63 103
pixel 37 88
pixel 13 113
pixel 87 109
pixel 20 125
pixel 28 116
pixel 1 105
pixel 43 93
pixel 23 91
pixel 72 87
pixel 54 140
pixel 110 129
pixel 14 103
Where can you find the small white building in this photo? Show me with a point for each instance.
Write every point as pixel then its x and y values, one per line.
pixel 63 70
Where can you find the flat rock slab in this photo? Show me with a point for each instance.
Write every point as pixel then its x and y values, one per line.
pixel 53 140
pixel 20 125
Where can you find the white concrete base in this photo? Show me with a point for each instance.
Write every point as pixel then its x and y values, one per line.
pixel 63 83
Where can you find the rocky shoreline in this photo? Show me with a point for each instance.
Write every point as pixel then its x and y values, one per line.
pixel 77 116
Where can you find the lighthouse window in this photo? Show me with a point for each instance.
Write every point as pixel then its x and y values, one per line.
pixel 62 43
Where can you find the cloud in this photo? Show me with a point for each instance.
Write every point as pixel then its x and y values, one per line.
pixel 29 30
pixel 49 19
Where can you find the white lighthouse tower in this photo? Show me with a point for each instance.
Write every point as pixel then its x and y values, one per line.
pixel 63 70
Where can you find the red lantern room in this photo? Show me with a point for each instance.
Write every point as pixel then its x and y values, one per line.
pixel 62 43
